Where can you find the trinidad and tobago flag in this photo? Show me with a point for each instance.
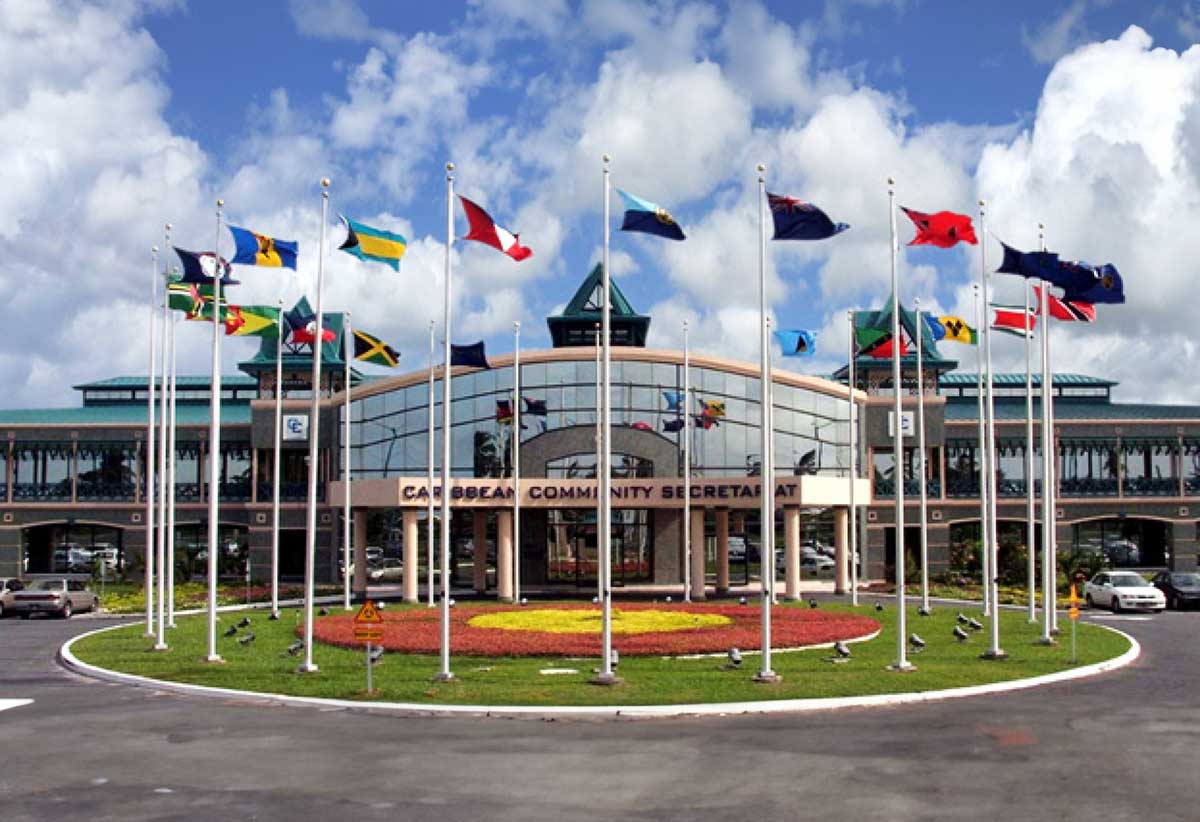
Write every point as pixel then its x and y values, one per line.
pixel 1071 311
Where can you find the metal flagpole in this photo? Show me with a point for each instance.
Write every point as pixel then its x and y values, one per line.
pixel 766 540
pixel 347 347
pixel 901 663
pixel 687 470
pixel 429 504
pixel 445 675
pixel 1030 541
pixel 314 427
pixel 993 547
pixel 171 461
pixel 604 526
pixel 774 587
pixel 148 554
pixel 275 467
pixel 1049 575
pixel 516 461
pixel 214 448
pixel 983 463
pixel 599 461
pixel 853 473
pixel 921 459
pixel 160 541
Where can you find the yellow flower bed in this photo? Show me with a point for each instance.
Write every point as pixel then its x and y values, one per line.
pixel 586 621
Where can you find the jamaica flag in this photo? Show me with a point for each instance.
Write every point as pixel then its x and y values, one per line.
pixel 369 348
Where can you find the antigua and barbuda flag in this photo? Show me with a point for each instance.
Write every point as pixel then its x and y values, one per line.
pixel 945 229
pixel 485 230
pixel 798 220
pixel 1071 311
pixel 259 249
pixel 649 218
pixel 796 343
pixel 473 355
pixel 1013 319
pixel 369 243
pixel 201 267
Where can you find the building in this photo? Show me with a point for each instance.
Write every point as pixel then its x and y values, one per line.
pixel 1129 476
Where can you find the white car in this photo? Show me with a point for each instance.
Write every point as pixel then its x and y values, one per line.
pixel 1119 590
pixel 388 570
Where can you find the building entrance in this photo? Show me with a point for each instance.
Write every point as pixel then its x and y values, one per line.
pixel 572 552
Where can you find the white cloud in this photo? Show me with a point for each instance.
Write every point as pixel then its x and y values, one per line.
pixel 1050 41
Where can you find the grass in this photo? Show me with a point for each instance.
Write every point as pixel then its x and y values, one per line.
pixel 129 597
pixel 265 666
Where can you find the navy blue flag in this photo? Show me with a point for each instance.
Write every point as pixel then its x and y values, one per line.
pixel 535 407
pixel 798 220
pixel 649 218
pixel 1080 281
pixel 796 343
pixel 199 268
pixel 673 425
pixel 472 355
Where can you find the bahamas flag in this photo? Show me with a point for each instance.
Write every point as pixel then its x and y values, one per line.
pixel 369 243
pixel 253 321
pixel 649 218
pixel 259 249
pixel 369 348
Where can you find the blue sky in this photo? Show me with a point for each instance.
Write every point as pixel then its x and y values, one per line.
pixel 129 113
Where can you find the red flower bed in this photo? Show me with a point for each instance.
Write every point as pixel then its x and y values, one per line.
pixel 419 631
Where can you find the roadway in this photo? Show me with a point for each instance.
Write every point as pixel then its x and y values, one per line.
pixel 1116 747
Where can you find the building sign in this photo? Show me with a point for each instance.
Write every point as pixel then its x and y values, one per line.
pixel 295 428
pixel 908 427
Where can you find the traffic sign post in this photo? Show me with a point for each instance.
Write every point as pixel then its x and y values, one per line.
pixel 1074 614
pixel 368 628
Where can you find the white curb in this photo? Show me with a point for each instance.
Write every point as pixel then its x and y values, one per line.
pixel 769 706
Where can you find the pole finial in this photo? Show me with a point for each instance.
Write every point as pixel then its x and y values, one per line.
pixel 982 204
pixel 449 168
pixel 891 181
pixel 168 226
pixel 605 158
pixel 517 326
pixel 916 302
pixel 220 203
pixel 1041 226
pixel 761 167
pixel 154 249
pixel 324 182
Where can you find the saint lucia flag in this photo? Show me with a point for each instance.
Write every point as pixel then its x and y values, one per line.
pixel 796 343
pixel 369 243
pixel 649 218
pixel 259 249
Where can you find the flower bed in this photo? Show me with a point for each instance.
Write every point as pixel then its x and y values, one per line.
pixel 419 631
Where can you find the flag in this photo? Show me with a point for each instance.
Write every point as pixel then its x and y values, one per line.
pixel 1066 310
pixel 875 342
pixel 641 426
pixel 302 324
pixel 943 229
pixel 671 426
pixel 956 330
pixel 705 421
pixel 534 407
pixel 473 355
pixel 199 267
pixel 713 408
pixel 1013 319
pixel 369 243
pixel 504 412
pixel 796 343
pixel 233 319
pixel 674 400
pixel 259 249
pixel 1080 281
pixel 370 348
pixel 798 220
pixel 485 230
pixel 936 329
pixel 187 297
pixel 649 218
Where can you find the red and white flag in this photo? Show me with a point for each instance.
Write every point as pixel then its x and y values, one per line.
pixel 1013 319
pixel 485 230
pixel 1071 311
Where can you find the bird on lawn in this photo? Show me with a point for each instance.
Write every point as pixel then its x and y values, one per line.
pixel 960 634
pixel 916 642
pixel 812 603
pixel 841 649
pixel 244 623
pixel 878 606
pixel 246 640
pixel 296 647
pixel 323 612
pixel 923 611
pixel 975 624
pixel 962 618
pixel 230 631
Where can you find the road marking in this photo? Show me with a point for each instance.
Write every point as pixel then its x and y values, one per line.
pixel 1122 618
pixel 5 704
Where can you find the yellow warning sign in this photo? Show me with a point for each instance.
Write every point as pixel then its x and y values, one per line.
pixel 1074 612
pixel 368 614
pixel 368 633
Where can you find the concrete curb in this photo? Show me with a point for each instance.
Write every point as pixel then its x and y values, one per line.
pixel 73 663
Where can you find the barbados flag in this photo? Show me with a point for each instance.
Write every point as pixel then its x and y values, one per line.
pixel 259 249
pixel 369 243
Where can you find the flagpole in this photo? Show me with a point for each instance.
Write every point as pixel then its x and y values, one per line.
pixel 766 539
pixel 604 526
pixel 347 347
pixel 429 502
pixel 1049 575
pixel 275 468
pixel 771 485
pixel 148 554
pixel 983 464
pixel 901 663
pixel 599 461
pixel 160 541
pixel 516 461
pixel 921 463
pixel 214 448
pixel 445 675
pixel 171 463
pixel 314 427
pixel 853 473
pixel 687 471
pixel 1030 541
pixel 993 548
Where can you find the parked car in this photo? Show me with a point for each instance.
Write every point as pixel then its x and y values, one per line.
pixel 104 559
pixel 1123 589
pixel 1122 552
pixel 1182 590
pixel 54 596
pixel 8 587
pixel 388 570
pixel 737 549
pixel 374 554
pixel 818 564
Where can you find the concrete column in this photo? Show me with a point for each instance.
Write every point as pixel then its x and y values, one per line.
pixel 359 538
pixel 841 550
pixel 722 551
pixel 504 555
pixel 697 535
pixel 479 539
pixel 412 569
pixel 791 552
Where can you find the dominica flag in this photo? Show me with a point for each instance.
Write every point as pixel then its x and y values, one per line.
pixel 369 243
pixel 369 348
pixel 187 297
pixel 259 249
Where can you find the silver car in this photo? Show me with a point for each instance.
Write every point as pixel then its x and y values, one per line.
pixel 8 587
pixel 62 597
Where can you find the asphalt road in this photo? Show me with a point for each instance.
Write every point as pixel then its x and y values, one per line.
pixel 1124 745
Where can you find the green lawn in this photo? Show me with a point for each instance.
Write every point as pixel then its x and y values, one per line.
pixel 129 597
pixel 265 666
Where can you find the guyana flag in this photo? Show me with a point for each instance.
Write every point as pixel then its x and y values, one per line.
pixel 252 320
pixel 369 348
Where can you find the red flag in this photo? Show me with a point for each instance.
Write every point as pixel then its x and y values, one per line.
pixel 485 230
pixel 308 334
pixel 1071 311
pixel 944 229
pixel 233 320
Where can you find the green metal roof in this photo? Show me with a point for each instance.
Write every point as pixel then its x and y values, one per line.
pixel 968 379
pixel 181 381
pixel 1066 410
pixel 231 414
pixel 575 324
pixel 299 357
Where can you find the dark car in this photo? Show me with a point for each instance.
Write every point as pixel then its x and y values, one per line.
pixel 1182 590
